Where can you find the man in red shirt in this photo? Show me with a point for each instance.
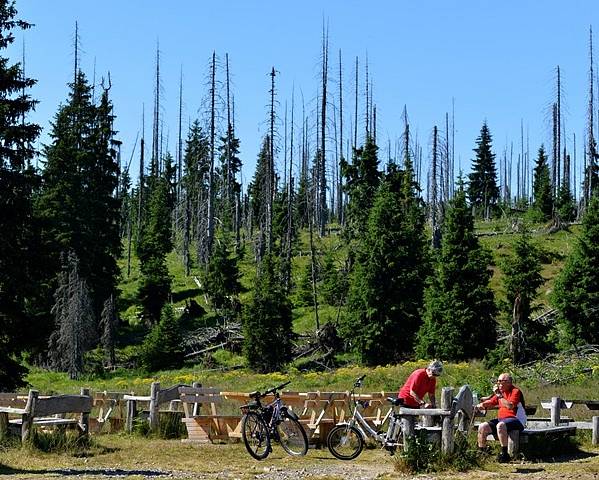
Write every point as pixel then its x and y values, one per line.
pixel 419 383
pixel 506 398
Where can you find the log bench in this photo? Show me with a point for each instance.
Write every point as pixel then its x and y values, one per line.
pixel 516 438
pixel 47 412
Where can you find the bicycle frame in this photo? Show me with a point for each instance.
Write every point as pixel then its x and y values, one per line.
pixel 389 438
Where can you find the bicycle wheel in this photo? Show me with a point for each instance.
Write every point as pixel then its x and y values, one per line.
pixel 345 442
pixel 255 436
pixel 292 436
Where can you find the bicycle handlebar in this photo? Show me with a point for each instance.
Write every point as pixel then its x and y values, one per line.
pixel 358 382
pixel 275 389
pixel 257 393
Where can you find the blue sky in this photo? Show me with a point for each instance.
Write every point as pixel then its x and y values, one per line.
pixel 496 59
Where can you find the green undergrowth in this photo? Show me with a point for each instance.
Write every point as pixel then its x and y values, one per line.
pixel 423 456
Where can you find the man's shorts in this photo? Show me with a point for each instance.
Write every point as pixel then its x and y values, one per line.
pixel 511 423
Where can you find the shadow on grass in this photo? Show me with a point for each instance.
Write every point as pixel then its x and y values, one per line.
pixel 185 294
pixel 66 472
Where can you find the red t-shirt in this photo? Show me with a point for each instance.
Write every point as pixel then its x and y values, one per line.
pixel 514 396
pixel 420 382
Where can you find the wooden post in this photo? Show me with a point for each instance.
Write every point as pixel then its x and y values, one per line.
pixel 407 426
pixel 3 425
pixel 154 417
pixel 595 430
pixel 513 442
pixel 131 414
pixel 447 427
pixel 196 406
pixel 427 420
pixel 84 417
pixel 555 411
pixel 28 416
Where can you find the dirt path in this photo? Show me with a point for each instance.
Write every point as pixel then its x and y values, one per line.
pixel 116 457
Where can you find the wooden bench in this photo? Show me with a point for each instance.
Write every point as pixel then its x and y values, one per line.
pixel 516 438
pixel 210 426
pixel 37 411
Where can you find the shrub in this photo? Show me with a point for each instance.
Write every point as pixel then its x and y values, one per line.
pixel 423 456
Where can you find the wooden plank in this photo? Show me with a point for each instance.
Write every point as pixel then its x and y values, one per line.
pixel 199 390
pixel 137 398
pixel 201 398
pixel 63 404
pixel 15 411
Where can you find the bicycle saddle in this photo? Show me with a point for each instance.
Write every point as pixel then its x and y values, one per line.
pixel 396 402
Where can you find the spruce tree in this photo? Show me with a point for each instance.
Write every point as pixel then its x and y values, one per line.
pixel 267 321
pixel 162 348
pixel 387 284
pixel 78 207
pixel 542 196
pixel 362 180
pixel 459 312
pixel 576 294
pixel 18 180
pixel 154 244
pixel 221 280
pixel 483 191
pixel 522 279
pixel 565 203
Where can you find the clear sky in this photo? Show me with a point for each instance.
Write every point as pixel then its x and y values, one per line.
pixel 496 59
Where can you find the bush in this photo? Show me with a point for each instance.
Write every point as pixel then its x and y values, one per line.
pixel 423 456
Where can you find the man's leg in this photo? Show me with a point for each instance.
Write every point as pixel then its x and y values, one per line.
pixel 503 440
pixel 484 429
pixel 502 434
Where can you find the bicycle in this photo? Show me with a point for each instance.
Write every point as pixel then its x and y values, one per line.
pixel 261 424
pixel 346 440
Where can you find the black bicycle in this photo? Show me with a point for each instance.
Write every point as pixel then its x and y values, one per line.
pixel 261 424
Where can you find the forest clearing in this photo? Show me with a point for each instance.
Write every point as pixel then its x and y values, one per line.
pixel 353 262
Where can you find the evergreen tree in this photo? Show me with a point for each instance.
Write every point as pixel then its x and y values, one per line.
pixel 221 281
pixel 542 197
pixel 459 311
pixel 522 279
pixel 230 168
pixel 162 348
pixel 362 180
pixel 154 244
pixel 565 203
pixel 387 284
pixel 334 285
pixel 18 180
pixel 267 321
pixel 483 191
pixel 78 207
pixel 576 294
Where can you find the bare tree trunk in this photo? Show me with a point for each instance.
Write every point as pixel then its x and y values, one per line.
pixel 340 216
pixel 322 183
pixel 436 231
pixel 356 109
pixel 154 170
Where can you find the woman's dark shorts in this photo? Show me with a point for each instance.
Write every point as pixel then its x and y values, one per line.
pixel 511 423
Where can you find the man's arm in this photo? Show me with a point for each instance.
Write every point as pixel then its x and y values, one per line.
pixel 419 401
